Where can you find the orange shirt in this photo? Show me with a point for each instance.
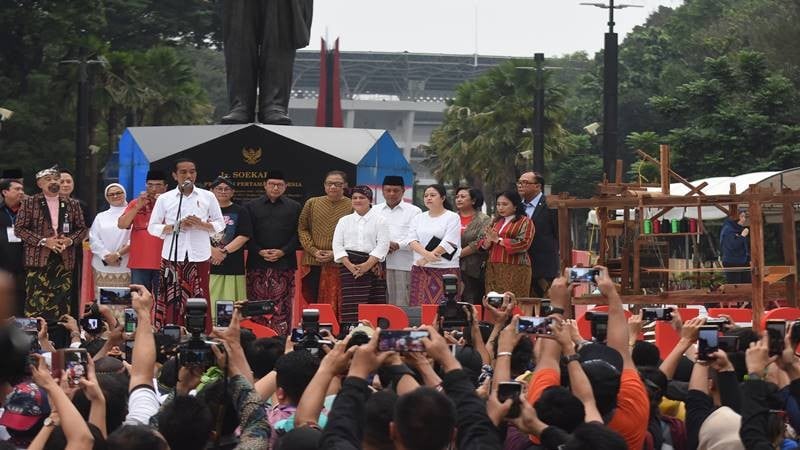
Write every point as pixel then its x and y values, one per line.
pixel 633 410
pixel 542 379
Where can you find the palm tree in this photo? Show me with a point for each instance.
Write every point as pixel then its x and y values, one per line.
pixel 482 136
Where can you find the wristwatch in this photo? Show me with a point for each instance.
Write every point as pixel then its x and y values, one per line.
pixel 42 242
pixel 556 310
pixel 48 422
pixel 573 357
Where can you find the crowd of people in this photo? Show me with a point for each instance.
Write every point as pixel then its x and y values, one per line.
pixel 492 387
pixel 493 382
pixel 191 242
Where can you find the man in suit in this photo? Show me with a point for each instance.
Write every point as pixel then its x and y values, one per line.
pixel 51 228
pixel 12 194
pixel 544 249
pixel 259 40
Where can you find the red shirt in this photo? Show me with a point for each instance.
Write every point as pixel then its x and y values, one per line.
pixel 145 248
pixel 465 221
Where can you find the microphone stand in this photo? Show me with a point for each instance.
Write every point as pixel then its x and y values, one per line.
pixel 176 230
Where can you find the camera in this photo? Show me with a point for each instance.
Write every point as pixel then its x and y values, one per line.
pixel 452 313
pixel 308 337
pixel 257 308
pixel 599 325
pixel 196 351
pixel 719 322
pixel 494 299
pixel 92 321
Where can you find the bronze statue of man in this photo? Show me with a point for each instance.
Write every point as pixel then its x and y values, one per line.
pixel 260 38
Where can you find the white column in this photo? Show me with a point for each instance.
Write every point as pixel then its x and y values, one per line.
pixel 350 118
pixel 408 134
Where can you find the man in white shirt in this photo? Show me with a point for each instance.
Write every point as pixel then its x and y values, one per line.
pixel 185 218
pixel 398 215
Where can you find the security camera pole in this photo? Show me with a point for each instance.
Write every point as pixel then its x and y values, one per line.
pixel 610 87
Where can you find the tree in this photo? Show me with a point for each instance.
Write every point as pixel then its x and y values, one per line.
pixel 482 139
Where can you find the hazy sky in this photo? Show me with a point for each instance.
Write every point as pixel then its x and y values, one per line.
pixel 504 27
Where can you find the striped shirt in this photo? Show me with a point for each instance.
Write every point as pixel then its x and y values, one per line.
pixel 515 239
pixel 317 222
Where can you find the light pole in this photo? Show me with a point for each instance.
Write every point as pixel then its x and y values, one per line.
pixel 538 115
pixel 82 122
pixel 610 88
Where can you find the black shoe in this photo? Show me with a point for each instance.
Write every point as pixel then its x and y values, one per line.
pixel 274 118
pixel 237 116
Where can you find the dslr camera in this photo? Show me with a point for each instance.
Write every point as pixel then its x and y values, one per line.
pixel 309 338
pixel 452 313
pixel 196 351
pixel 599 325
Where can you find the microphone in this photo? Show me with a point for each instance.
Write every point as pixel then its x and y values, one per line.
pixel 184 185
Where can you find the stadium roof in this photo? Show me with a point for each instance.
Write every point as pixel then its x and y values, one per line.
pixel 409 76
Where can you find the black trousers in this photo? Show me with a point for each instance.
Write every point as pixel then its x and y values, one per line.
pixel 258 54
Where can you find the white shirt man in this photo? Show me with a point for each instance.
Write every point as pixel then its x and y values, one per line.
pixel 192 241
pixel 398 215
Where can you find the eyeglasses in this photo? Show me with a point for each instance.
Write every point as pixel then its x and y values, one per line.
pixel 276 185
pixel 223 189
pixel 525 182
pixel 334 184
pixel 115 194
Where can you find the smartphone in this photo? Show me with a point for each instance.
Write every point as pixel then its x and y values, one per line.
pixel 707 342
pixel 728 344
pixel 173 331
pixel 130 320
pixel 224 312
pixel 664 314
pixel 545 307
pixel 257 308
pixel 535 325
pixel 776 330
pixel 402 340
pixel 494 299
pixel 115 296
pixel 345 328
pixel 70 363
pixel 583 275
pixel 599 325
pixel 27 324
pixel 510 390
pixel 129 351
pixel 719 322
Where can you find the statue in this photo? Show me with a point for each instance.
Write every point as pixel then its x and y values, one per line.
pixel 260 38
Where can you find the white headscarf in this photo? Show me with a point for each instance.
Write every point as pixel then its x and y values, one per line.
pixel 105 236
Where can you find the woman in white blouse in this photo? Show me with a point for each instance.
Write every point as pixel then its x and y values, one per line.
pixel 360 245
pixel 109 243
pixel 435 238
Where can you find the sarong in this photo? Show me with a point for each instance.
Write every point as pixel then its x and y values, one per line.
pixel 502 277
pixel 427 287
pixel 276 285
pixel 193 278
pixel 48 289
pixel 368 288
pixel 328 288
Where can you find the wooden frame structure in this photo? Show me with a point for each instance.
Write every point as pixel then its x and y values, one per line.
pixel 767 281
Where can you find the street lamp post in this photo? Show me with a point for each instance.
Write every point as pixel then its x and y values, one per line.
pixel 610 89
pixel 538 115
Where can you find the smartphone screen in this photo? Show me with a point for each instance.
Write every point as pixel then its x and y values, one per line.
pixel 402 340
pixel 224 313
pixel 583 275
pixel 496 301
pixel 657 314
pixel 130 320
pixel 75 363
pixel 776 330
pixel 535 325
pixel 27 324
pixel 258 308
pixel 707 342
pixel 115 296
pixel 173 331
pixel 297 334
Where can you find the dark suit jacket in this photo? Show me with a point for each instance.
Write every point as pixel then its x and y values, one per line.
pixel 10 252
pixel 544 248
pixel 33 224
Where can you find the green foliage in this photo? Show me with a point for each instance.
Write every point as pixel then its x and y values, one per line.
pixel 144 79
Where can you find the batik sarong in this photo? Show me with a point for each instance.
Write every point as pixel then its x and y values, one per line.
pixel 48 289
pixel 368 288
pixel 179 283
pixel 276 285
pixel 427 287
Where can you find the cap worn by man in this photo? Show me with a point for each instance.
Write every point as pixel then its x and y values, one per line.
pixel 24 407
